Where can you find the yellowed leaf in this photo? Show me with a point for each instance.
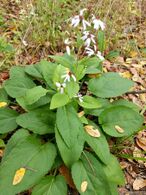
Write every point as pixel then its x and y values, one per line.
pixel 91 131
pixel 19 176
pixel 139 183
pixel 80 114
pixel 119 129
pixel 133 54
pixel 126 74
pixel 3 104
pixel 84 185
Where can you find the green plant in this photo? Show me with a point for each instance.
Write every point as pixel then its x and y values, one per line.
pixel 49 120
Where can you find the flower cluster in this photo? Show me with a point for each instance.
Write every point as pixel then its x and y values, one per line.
pixel 88 30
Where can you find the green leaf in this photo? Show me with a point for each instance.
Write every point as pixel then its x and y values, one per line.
pixel 72 88
pixel 41 102
pixel 2 143
pixel 68 124
pixel 58 73
pixel 89 102
pixel 114 172
pixel 101 41
pixel 3 96
pixel 51 185
pixel 18 83
pixel 96 112
pixel 99 144
pixel 122 116
pixel 30 154
pixel 7 120
pixel 90 170
pixel 17 137
pixel 112 54
pixel 40 121
pixel 34 94
pixel 65 60
pixel 109 85
pixel 79 71
pixel 122 102
pixel 59 100
pixel 69 154
pixel 34 70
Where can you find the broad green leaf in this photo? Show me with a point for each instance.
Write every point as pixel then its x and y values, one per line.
pixel 90 170
pixel 17 137
pixel 34 94
pixel 34 70
pixel 65 60
pixel 59 100
pixel 30 154
pixel 68 124
pixel 59 72
pixel 99 144
pixel 101 41
pixel 69 154
pixel 3 96
pixel 79 71
pixel 114 172
pixel 89 102
pixel 96 112
pixel 116 117
pixel 18 83
pixel 41 102
pixel 7 120
pixel 51 185
pixel 122 102
pixel 40 121
pixel 72 88
pixel 109 85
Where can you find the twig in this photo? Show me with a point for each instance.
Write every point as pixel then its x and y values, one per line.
pixel 136 92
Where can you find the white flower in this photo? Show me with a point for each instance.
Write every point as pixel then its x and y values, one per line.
pixel 91 52
pixel 67 43
pixel 60 87
pixel 79 18
pixel 98 23
pixel 68 75
pixel 88 38
pixel 100 55
pixel 79 96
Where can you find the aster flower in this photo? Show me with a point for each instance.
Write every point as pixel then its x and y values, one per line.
pixel 60 87
pixel 75 21
pixel 67 43
pixel 68 75
pixel 79 96
pixel 98 23
pixel 91 52
pixel 88 38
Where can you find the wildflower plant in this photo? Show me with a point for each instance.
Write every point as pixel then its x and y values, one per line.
pixel 58 114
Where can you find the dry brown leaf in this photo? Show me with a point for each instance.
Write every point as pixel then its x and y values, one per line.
pixel 84 185
pixel 19 176
pixel 1 152
pixel 66 173
pixel 119 129
pixel 139 183
pixel 91 131
pixel 80 114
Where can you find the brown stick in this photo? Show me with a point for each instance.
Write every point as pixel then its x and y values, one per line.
pixel 136 92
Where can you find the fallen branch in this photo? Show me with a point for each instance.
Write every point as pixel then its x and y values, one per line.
pixel 136 92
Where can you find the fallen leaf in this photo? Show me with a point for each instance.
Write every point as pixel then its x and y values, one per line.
pixel 139 183
pixel 19 176
pixel 119 129
pixel 66 173
pixel 91 131
pixel 84 185
pixel 80 114
pixel 3 104
pixel 126 74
